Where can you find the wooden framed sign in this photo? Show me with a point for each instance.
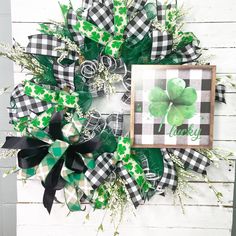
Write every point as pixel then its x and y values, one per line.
pixel 172 106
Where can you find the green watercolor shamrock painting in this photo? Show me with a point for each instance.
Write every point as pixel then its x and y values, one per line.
pixel 172 106
pixel 177 103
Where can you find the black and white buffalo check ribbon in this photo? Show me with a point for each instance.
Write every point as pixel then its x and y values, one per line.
pixel 137 5
pixel 138 27
pixel 105 165
pixel 161 10
pixel 101 14
pixel 23 105
pixel 162 44
pixel 220 93
pixel 89 3
pixel 169 177
pixel 71 21
pixel 163 41
pixel 190 158
pixel 48 45
pixel 130 184
pixel 189 53
pixel 64 76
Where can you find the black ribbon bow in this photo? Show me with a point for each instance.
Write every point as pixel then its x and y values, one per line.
pixel 32 152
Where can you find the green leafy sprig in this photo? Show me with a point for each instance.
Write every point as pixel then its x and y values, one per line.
pixel 17 54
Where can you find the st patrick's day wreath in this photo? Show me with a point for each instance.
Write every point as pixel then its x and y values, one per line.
pixel 71 147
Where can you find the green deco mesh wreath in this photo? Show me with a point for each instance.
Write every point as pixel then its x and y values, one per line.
pixel 71 147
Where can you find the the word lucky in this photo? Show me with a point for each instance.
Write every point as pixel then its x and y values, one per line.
pixel 190 131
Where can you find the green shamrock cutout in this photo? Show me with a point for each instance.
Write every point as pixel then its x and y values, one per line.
pixel 87 26
pixel 116 44
pixel 48 97
pixel 105 37
pixel 39 90
pixel 122 10
pixel 95 36
pixel 70 100
pixel 177 103
pixel 28 90
pixel 121 149
pixel 118 20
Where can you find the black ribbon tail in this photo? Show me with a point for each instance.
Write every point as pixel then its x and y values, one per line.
pixel 55 126
pixel 22 143
pixel 75 162
pixel 48 198
pixel 53 182
pixel 28 158
pixel 87 146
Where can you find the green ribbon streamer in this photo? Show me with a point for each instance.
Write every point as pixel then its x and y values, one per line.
pixel 101 197
pixel 41 121
pixel 135 170
pixel 112 43
pixel 123 153
pixel 62 98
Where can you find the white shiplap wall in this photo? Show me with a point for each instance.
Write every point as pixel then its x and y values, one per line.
pixel 214 23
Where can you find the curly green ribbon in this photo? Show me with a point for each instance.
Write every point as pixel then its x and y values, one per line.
pixel 112 43
pixel 135 170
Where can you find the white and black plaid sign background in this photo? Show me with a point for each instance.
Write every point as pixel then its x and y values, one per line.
pixel 146 127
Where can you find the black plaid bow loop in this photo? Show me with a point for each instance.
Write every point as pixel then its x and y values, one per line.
pixel 169 177
pixel 105 165
pixel 23 105
pixel 101 14
pixel 220 93
pixel 192 159
pixel 162 44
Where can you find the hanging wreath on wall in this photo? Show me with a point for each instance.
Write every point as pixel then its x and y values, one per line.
pixel 68 146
